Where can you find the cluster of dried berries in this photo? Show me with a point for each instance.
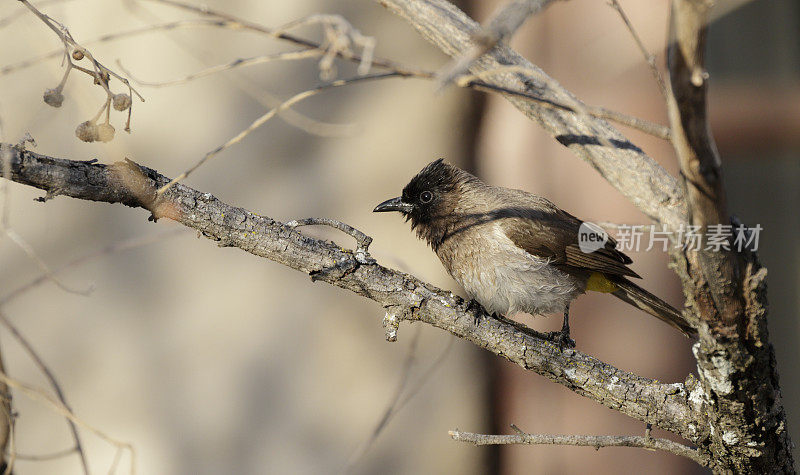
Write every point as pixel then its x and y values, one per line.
pixel 91 130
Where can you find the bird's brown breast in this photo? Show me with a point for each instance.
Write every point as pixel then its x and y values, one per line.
pixel 502 277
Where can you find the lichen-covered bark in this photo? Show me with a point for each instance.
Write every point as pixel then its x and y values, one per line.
pixel 739 387
pixel 726 287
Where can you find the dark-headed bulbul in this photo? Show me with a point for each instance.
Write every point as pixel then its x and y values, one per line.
pixel 513 251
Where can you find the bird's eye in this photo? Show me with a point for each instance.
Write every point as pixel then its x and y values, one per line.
pixel 426 197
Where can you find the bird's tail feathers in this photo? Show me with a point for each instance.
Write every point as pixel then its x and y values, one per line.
pixel 638 297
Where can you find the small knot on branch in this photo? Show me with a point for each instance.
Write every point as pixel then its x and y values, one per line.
pixel 49 195
pixel 391 323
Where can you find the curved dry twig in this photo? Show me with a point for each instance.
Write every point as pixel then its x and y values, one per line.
pixel 405 373
pixel 282 35
pixel 45 457
pixel 62 401
pixel 237 63
pixel 57 405
pixel 649 57
pixel 5 21
pixel 110 249
pixel 272 113
pixel 173 25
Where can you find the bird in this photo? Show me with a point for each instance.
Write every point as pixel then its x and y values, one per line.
pixel 513 251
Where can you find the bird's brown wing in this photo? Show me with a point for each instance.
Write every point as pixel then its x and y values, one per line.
pixel 553 234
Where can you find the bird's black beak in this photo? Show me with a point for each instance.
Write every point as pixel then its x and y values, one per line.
pixel 394 204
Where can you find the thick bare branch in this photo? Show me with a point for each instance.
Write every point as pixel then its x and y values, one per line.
pixel 726 288
pixel 637 176
pixel 664 405
pixel 697 153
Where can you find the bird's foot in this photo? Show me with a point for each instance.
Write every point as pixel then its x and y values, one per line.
pixel 478 313
pixel 561 338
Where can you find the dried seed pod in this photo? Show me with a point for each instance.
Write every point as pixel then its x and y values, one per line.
pixel 77 55
pixel 105 132
pixel 87 131
pixel 53 97
pixel 121 102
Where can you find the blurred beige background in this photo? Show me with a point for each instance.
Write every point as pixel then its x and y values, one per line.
pixel 210 360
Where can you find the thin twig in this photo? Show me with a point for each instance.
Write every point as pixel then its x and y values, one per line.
pixel 340 36
pixel 21 11
pixel 35 393
pixel 651 128
pixel 51 379
pixel 31 253
pixel 110 249
pixel 405 373
pixel 596 441
pixel 648 57
pixel 242 62
pixel 69 42
pixel 502 25
pixel 256 91
pixel 245 24
pixel 270 114
pixel 44 457
pixel 291 116
pixel 173 25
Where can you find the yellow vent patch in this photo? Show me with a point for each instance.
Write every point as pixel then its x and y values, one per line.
pixel 600 283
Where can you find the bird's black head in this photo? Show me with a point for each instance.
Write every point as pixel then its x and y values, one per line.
pixel 429 198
